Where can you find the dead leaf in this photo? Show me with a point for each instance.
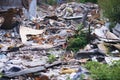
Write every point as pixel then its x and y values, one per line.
pixel 67 71
pixel 42 77
pixel 7 35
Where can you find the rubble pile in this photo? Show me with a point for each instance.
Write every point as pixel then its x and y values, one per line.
pixel 74 10
pixel 36 49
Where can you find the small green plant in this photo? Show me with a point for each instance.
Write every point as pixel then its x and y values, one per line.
pixel 51 58
pixel 79 40
pixel 101 71
pixel 75 44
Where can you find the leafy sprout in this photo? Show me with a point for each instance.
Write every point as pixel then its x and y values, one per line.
pixel 51 58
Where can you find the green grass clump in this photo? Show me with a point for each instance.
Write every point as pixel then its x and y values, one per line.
pixel 111 9
pixel 77 41
pixel 101 71
pixel 51 58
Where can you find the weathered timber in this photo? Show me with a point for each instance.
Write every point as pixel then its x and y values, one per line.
pixel 32 70
pixel 25 71
pixel 54 64
pixel 89 54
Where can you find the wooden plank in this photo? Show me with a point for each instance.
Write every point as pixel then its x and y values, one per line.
pixel 57 63
pixel 102 48
pixel 25 71
pixel 74 17
pixel 32 70
pixel 89 54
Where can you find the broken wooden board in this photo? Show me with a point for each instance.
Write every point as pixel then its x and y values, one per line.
pixel 102 48
pixel 44 46
pixel 57 63
pixel 25 71
pixel 89 54
pixel 32 70
pixel 37 47
pixel 76 17
pixel 24 31
pixel 117 46
pixel 105 35
pixel 111 36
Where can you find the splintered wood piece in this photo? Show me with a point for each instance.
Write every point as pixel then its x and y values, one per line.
pixel 117 46
pixel 102 48
pixel 25 71
pixel 24 31
pixel 112 36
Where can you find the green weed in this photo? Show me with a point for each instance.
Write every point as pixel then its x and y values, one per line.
pixel 101 71
pixel 79 40
pixel 51 58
